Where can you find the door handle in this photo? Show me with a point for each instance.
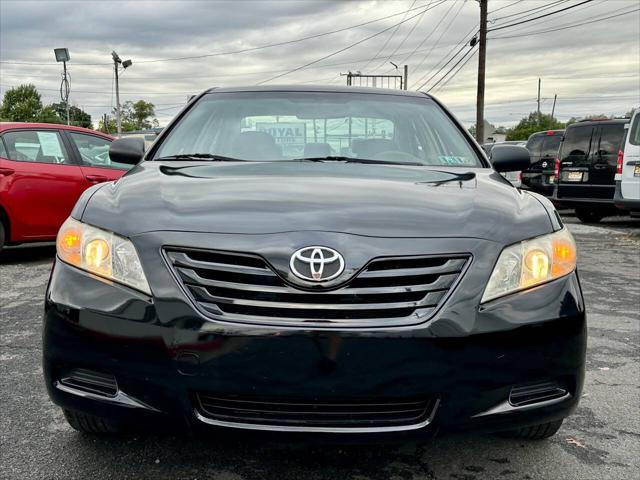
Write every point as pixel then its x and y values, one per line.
pixel 6 171
pixel 97 178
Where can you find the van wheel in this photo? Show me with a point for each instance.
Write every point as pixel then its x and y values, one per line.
pixel 588 216
pixel 90 424
pixel 535 432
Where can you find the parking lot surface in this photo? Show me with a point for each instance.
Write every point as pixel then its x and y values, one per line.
pixel 600 441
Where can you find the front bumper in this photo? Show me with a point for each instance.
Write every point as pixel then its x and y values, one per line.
pixel 163 352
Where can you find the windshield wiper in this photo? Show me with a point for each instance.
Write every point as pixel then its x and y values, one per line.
pixel 201 156
pixel 353 160
pixel 455 177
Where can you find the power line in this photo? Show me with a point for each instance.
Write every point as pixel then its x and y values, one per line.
pixel 505 6
pixel 445 30
pixel 462 44
pixel 404 39
pixel 451 69
pixel 529 12
pixel 538 32
pixel 231 52
pixel 391 36
pixel 456 72
pixel 541 16
pixel 340 50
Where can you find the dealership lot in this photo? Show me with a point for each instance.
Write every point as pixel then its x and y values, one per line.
pixel 601 440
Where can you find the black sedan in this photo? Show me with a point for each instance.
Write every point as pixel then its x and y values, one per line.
pixel 326 260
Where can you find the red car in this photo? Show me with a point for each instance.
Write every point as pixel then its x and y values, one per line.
pixel 43 170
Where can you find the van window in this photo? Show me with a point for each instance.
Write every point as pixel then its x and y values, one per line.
pixel 611 139
pixel 550 145
pixel 576 143
pixel 634 131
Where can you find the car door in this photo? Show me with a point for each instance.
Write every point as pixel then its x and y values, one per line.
pixel 92 153
pixel 602 169
pixel 40 183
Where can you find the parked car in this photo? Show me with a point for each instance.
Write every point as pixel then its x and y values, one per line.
pixel 44 168
pixel 543 147
pixel 627 193
pixel 586 168
pixel 245 275
pixel 513 177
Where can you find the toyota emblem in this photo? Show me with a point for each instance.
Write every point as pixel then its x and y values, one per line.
pixel 316 264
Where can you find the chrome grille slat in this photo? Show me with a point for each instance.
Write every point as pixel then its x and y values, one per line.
pixel 202 294
pixel 388 291
pixel 452 266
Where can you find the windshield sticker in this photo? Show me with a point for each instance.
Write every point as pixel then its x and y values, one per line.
pixel 452 160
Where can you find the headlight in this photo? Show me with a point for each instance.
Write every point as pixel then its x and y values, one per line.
pixel 101 253
pixel 531 263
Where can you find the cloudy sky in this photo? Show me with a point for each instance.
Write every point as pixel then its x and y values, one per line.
pixel 591 62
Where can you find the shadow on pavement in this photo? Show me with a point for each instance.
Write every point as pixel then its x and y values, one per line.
pixel 27 254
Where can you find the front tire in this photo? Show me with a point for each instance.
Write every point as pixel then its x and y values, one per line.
pixel 588 216
pixel 535 432
pixel 91 424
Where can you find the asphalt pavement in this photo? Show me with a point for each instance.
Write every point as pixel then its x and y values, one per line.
pixel 600 441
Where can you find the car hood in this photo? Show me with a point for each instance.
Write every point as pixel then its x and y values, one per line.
pixel 275 197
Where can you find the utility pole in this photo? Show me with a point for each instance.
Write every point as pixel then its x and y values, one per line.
pixel 118 118
pixel 406 76
pixel 482 55
pixel 539 81
pixel 116 65
pixel 62 55
pixel 553 109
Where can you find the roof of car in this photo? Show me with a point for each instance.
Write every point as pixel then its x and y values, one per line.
pixel 19 125
pixel 317 88
pixel 599 121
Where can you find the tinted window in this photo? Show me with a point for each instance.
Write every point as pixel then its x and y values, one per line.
pixel 576 143
pixel 634 131
pixel 611 139
pixel 94 151
pixel 36 146
pixel 3 151
pixel 534 144
pixel 277 126
pixel 550 145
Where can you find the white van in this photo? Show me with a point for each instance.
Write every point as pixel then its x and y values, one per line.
pixel 627 194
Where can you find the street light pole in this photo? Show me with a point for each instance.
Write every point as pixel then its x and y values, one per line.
pixel 116 64
pixel 62 55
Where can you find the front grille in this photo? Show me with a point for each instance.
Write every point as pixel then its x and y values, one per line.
pixel 523 395
pixel 90 381
pixel 243 288
pixel 299 412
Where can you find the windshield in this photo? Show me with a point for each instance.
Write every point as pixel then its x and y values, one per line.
pixel 281 126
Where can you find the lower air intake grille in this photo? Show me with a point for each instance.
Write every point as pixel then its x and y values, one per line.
pixel 334 413
pixel 243 288
pixel 90 381
pixel 537 392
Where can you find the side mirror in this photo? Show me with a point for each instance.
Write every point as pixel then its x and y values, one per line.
pixel 510 158
pixel 129 150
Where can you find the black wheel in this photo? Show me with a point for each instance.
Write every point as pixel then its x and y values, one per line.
pixel 535 432
pixel 90 424
pixel 588 216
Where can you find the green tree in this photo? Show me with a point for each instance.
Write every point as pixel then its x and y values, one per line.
pixel 49 115
pixel 142 115
pixel 77 116
pixel 21 104
pixel 531 124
